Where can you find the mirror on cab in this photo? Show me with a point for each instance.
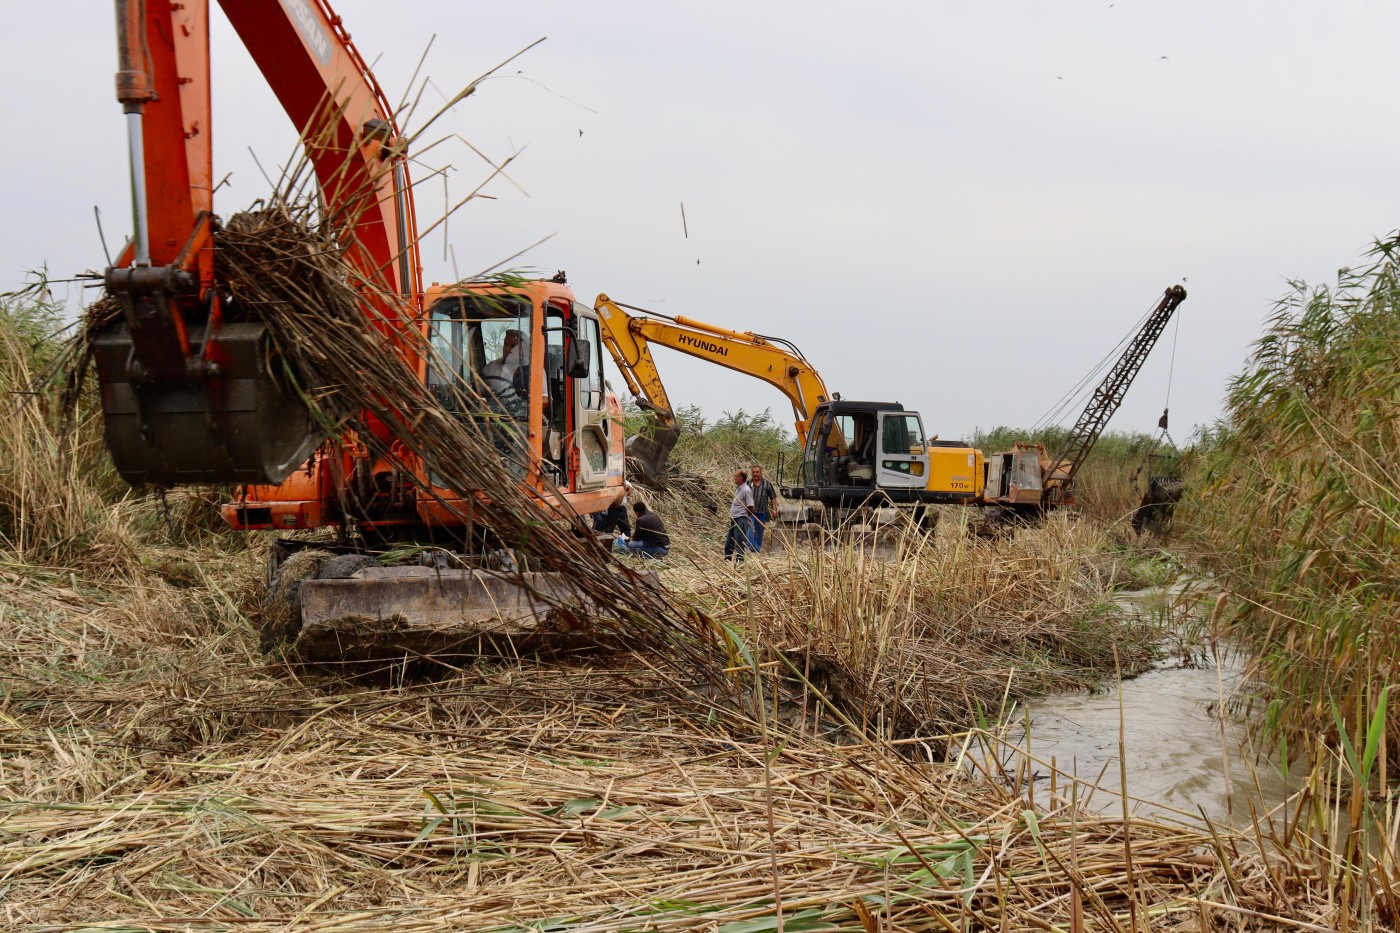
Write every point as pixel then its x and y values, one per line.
pixel 577 367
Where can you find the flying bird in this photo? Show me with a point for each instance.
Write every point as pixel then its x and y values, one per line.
pixel 580 132
pixel 1164 59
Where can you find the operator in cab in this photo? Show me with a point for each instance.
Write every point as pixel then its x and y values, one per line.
pixel 501 375
pixel 508 383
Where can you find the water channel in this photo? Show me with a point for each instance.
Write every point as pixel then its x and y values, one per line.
pixel 1181 756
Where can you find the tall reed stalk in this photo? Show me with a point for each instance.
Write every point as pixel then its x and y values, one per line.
pixel 1298 512
pixel 56 487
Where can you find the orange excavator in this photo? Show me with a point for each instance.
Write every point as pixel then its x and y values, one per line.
pixel 189 380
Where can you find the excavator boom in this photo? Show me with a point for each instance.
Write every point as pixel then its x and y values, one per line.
pixel 629 338
pixel 1108 395
pixel 775 361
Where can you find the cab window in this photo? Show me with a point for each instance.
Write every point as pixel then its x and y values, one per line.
pixel 474 337
pixel 901 434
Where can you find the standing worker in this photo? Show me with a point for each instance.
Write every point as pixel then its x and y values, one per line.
pixel 765 505
pixel 740 536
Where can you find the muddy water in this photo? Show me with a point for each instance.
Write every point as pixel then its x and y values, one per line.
pixel 1180 755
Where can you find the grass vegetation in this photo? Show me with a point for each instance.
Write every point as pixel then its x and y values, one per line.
pixel 158 773
pixel 1296 510
pixel 1298 504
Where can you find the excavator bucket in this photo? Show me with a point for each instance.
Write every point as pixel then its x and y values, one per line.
pixel 647 455
pixel 233 421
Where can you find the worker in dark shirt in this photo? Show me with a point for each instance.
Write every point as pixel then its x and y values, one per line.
pixel 651 539
pixel 614 518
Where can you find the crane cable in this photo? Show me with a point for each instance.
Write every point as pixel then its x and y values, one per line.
pixel 1060 408
pixel 1081 390
pixel 1171 372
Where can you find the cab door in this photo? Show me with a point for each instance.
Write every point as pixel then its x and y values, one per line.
pixel 584 358
pixel 902 462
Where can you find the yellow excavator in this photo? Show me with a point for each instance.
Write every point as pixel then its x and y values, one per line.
pixel 854 453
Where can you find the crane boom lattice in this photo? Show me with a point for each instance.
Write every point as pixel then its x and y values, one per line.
pixel 1109 393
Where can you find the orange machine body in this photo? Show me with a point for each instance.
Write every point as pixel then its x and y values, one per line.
pixel 571 434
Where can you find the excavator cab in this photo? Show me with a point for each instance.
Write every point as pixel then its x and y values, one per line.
pixel 481 349
pixel 1015 477
pixel 531 354
pixel 861 452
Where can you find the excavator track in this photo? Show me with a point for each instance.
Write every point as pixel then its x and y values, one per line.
pixel 322 608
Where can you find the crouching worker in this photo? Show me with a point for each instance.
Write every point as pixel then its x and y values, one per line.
pixel 613 519
pixel 651 539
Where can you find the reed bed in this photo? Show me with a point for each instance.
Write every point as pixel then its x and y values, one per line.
pixel 156 773
pixel 912 632
pixel 55 484
pixel 1296 510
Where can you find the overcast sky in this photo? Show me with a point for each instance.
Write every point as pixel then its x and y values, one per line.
pixel 961 207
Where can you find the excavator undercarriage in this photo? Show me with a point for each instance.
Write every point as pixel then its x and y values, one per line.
pixel 327 604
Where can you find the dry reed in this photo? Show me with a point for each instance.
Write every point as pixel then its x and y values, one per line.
pixel 157 774
pixel 917 633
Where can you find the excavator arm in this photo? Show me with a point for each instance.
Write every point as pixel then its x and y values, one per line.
pixel 775 361
pixel 188 390
pixel 629 338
